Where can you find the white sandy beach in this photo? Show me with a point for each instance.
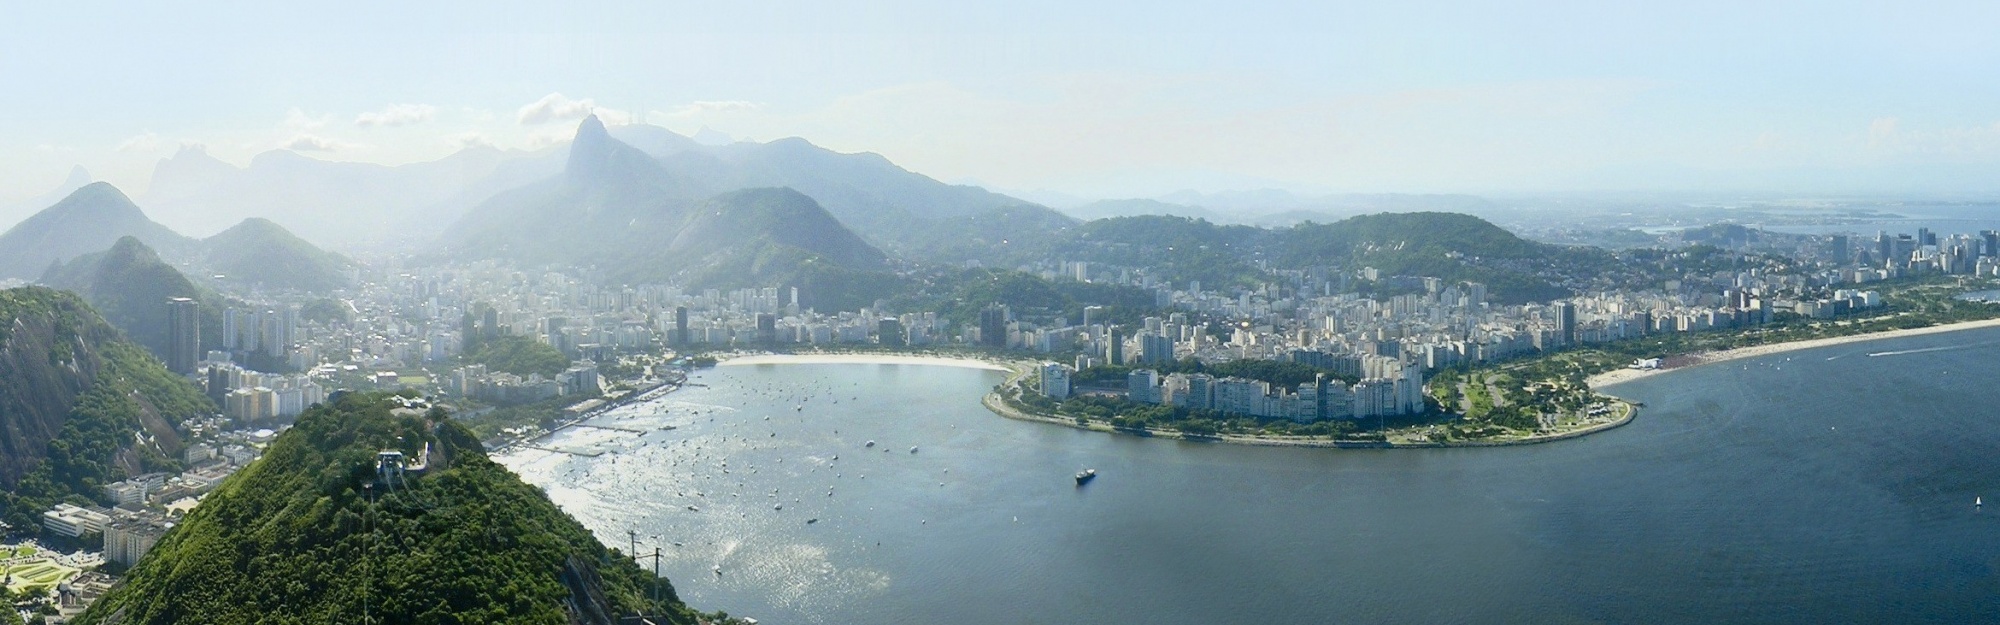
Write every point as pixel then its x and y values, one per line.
pixel 1626 375
pixel 859 359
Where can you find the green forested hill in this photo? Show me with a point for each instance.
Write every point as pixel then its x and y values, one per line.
pixel 619 210
pixel 129 285
pixel 79 406
pixel 1451 246
pixel 519 355
pixel 259 252
pixel 296 539
pixel 90 219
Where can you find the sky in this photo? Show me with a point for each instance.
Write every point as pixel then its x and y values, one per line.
pixel 1097 99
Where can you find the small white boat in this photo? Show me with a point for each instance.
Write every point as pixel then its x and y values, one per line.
pixel 913 450
pixel 1975 501
pixel 870 444
pixel 1086 476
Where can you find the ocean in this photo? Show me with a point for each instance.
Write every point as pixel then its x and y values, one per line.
pixel 1826 485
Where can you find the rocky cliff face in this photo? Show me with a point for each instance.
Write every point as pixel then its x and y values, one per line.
pixel 49 354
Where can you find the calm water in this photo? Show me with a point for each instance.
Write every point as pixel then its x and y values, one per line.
pixel 1955 219
pixel 1830 485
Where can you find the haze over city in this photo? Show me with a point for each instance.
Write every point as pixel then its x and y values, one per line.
pixel 1096 101
pixel 667 313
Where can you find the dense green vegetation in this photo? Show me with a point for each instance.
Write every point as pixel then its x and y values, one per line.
pixel 1449 246
pixel 960 295
pixel 132 397
pixel 301 537
pixel 544 414
pixel 84 456
pixel 325 310
pixel 1003 236
pixel 823 285
pixel 259 252
pixel 1180 249
pixel 129 285
pixel 519 355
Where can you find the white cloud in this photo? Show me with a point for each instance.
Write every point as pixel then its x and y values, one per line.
pixel 546 138
pixel 297 120
pixel 397 115
pixel 1882 132
pixel 613 117
pixel 315 143
pixel 555 107
pixel 470 140
pixel 145 142
pixel 701 107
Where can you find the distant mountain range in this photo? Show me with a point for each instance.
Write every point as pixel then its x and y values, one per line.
pixel 95 218
pixel 640 203
pixel 634 217
pixel 129 285
pixel 1106 209
pixel 335 203
pixel 364 205
pixel 263 254
pixel 1450 246
pixel 77 178
pixel 1276 208
pixel 88 220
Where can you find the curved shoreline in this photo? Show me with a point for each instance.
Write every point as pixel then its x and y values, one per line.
pixel 1619 376
pixel 860 358
pixel 1018 369
pixel 998 405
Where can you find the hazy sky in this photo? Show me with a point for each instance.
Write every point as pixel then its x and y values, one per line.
pixel 1089 98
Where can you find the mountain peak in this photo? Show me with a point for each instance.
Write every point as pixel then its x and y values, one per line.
pixel 99 196
pixel 712 137
pixel 591 151
pixel 591 126
pixel 129 246
pixel 596 158
pixel 88 220
pixel 78 177
pixel 259 251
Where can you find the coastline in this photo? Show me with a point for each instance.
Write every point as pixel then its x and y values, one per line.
pixel 997 404
pixel 1619 376
pixel 861 359
pixel 1018 369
